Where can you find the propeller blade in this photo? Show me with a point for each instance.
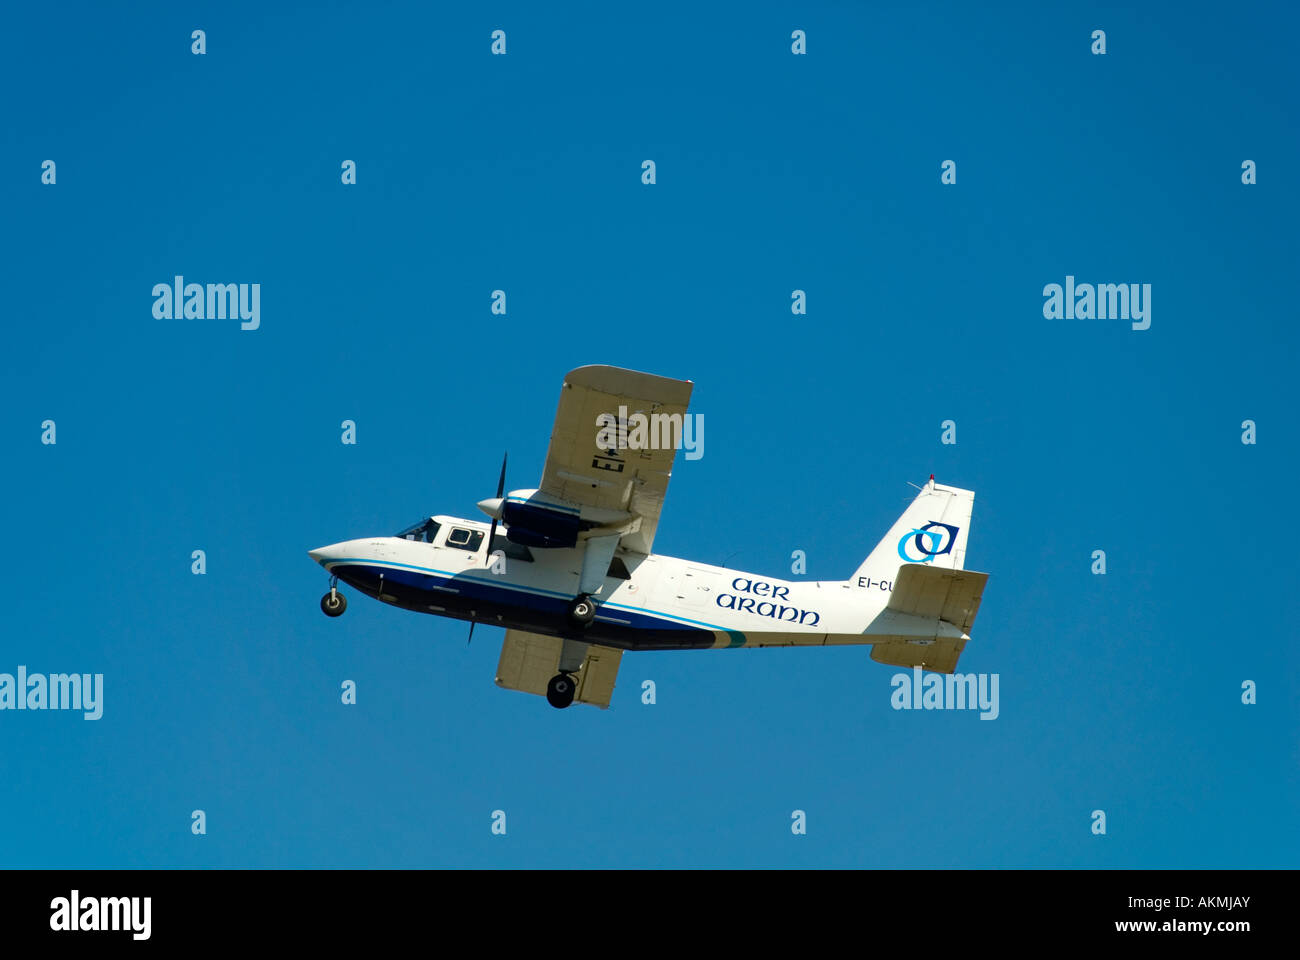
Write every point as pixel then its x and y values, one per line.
pixel 492 533
pixel 471 632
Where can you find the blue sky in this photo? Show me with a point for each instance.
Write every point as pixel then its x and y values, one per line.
pixel 774 173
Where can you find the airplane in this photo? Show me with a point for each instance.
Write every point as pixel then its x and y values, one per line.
pixel 573 579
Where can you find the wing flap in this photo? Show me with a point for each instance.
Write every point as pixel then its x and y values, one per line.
pixel 529 661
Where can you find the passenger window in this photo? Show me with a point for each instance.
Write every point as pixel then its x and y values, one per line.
pixel 461 539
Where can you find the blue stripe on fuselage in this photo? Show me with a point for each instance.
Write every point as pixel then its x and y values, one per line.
pixel 441 585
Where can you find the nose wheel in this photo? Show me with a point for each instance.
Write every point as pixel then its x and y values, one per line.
pixel 560 691
pixel 333 603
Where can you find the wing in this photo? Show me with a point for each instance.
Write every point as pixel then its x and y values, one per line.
pixel 634 480
pixel 529 660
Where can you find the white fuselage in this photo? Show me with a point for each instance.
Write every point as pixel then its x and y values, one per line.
pixel 663 603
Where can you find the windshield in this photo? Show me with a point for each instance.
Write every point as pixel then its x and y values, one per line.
pixel 424 531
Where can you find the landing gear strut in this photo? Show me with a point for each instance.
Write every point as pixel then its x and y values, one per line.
pixel 582 610
pixel 333 603
pixel 560 691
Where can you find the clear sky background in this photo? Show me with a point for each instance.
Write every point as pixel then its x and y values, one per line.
pixel 523 173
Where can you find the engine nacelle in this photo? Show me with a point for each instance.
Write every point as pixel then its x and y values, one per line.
pixel 535 520
pixel 534 538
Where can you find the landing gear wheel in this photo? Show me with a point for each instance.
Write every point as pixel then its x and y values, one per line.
pixel 560 691
pixel 333 604
pixel 582 610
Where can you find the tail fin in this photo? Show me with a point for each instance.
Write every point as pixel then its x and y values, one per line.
pixel 933 530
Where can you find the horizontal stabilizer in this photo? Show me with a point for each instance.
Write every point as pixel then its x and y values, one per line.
pixel 938 593
pixel 939 655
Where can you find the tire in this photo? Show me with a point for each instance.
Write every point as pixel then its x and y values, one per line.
pixel 582 611
pixel 560 691
pixel 333 604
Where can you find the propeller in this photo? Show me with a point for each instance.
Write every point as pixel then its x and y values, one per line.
pixel 501 489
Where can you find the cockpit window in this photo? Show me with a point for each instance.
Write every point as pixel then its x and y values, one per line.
pixel 422 532
pixel 462 539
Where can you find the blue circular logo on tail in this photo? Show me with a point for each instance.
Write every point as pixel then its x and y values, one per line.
pixel 928 542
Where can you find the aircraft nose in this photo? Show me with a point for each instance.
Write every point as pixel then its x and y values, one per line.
pixel 323 555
